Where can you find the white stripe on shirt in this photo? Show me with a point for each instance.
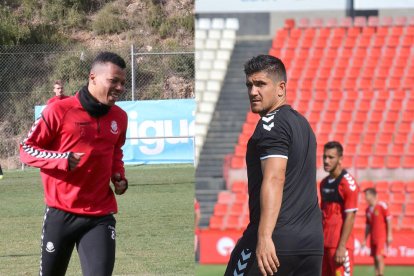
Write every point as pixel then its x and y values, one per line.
pixel 272 156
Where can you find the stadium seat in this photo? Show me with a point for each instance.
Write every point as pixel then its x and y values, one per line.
pixel 373 21
pixel 408 161
pixel 244 221
pixel 233 222
pixel 365 185
pixel 393 162
pixel 383 196
pixel 220 209
pixel 238 162
pixel 239 187
pixel 225 197
pixel 409 187
pixel 241 197
pixel 395 222
pixel 237 209
pixel 407 222
pixel 396 209
pixel 377 161
pixel 397 187
pixel 409 209
pixel 216 222
pixel 398 198
pixel 381 186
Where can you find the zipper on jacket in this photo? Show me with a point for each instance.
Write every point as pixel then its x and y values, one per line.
pixel 99 126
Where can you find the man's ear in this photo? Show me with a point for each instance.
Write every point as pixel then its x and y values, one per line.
pixel 92 78
pixel 281 89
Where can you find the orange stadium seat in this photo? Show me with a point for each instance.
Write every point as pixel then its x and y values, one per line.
pixel 238 162
pixel 233 222
pixel 383 196
pixel 220 209
pixel 397 187
pixel 245 221
pixel 216 222
pixel 361 162
pixel 377 161
pixel 395 222
pixel 408 161
pixel 407 222
pixel 398 198
pixel 365 185
pixel 241 197
pixel 409 209
pixel 409 187
pixel 239 187
pixel 381 186
pixel 396 209
pixel 240 151
pixel 225 197
pixel 236 209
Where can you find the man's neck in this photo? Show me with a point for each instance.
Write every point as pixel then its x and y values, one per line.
pixel 335 173
pixel 274 107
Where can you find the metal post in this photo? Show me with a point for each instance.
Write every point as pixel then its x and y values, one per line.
pixel 132 73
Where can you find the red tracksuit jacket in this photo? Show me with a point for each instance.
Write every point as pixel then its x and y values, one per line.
pixel 65 127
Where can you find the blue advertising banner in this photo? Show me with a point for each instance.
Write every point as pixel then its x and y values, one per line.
pixel 158 131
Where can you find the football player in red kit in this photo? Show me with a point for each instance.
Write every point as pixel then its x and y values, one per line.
pixel 339 194
pixel 77 144
pixel 378 225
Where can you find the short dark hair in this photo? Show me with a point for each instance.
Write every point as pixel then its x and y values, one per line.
pixel 371 191
pixel 105 57
pixel 270 64
pixel 58 82
pixel 334 145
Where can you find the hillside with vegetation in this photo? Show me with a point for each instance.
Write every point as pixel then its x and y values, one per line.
pixel 148 24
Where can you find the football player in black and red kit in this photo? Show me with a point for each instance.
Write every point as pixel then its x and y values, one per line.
pixel 76 143
pixel 284 235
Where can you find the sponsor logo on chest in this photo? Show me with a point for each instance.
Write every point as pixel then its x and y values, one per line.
pixel 114 127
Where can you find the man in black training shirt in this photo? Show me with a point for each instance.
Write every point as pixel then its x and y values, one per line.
pixel 284 236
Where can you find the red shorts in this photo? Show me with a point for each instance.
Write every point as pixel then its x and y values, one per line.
pixel 331 268
pixel 378 249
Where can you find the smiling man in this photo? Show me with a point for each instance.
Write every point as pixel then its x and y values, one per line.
pixel 339 192
pixel 76 143
pixel 284 236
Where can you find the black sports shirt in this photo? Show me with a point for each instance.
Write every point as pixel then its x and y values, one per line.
pixel 287 134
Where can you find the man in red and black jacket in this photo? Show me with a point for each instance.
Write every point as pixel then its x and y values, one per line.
pixel 339 203
pixel 76 143
pixel 59 92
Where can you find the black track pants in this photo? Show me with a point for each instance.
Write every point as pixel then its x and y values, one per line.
pixel 94 238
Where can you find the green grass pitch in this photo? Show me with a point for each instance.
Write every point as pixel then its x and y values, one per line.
pixel 154 224
pixel 218 270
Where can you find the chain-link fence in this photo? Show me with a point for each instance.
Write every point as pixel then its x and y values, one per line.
pixel 27 75
pixel 166 75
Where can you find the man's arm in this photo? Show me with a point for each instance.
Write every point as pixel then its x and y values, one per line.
pixel 33 149
pixel 274 170
pixel 389 231
pixel 367 231
pixel 197 217
pixel 345 233
pixel 118 171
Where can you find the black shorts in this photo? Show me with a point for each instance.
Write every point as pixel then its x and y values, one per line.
pixel 243 261
pixel 94 238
